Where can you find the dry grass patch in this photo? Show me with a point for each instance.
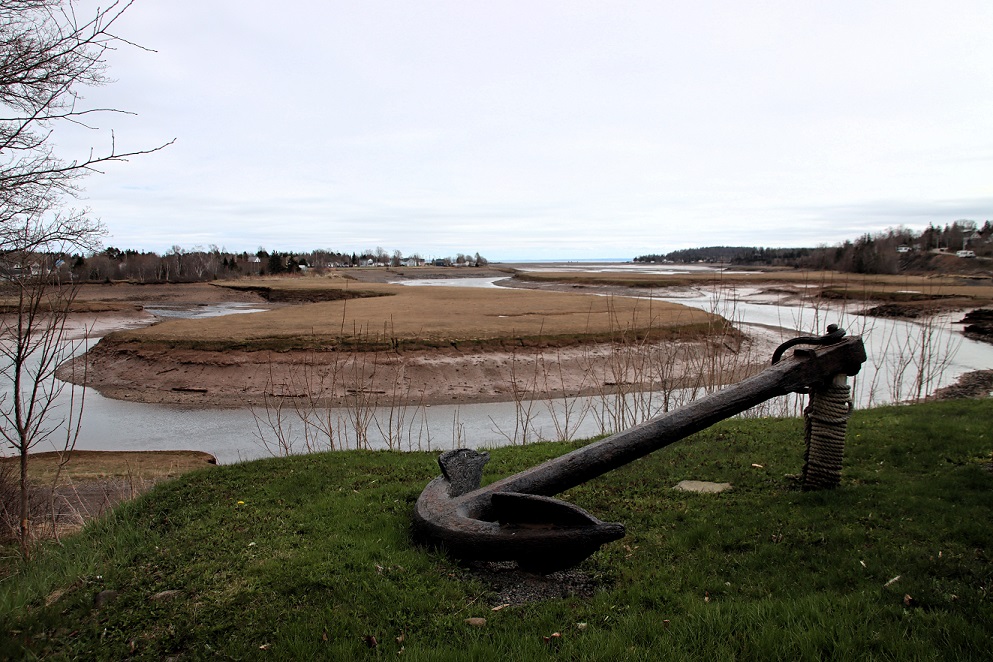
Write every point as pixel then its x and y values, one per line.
pixel 125 297
pixel 83 466
pixel 139 293
pixel 10 306
pixel 68 489
pixel 427 317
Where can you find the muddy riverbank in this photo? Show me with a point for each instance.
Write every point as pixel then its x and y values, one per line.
pixel 438 347
pixel 236 378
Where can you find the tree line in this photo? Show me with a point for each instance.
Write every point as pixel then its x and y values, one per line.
pixel 180 265
pixel 729 255
pixel 887 252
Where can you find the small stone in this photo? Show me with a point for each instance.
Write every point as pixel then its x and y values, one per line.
pixel 476 622
pixel 162 596
pixel 702 486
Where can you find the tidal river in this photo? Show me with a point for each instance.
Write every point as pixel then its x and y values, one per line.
pixel 904 357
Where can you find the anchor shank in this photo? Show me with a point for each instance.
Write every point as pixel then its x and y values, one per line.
pixel 805 368
pixel 499 521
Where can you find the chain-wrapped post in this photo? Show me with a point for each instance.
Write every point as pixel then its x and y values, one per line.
pixel 826 419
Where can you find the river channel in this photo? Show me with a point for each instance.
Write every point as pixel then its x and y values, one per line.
pixel 899 350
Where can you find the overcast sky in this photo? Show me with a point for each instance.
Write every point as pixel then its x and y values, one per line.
pixel 527 130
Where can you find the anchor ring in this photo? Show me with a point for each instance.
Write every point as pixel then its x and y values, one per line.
pixel 834 334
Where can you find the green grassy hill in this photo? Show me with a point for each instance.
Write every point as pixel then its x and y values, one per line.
pixel 310 557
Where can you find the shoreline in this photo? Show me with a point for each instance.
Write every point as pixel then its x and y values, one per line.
pixel 238 378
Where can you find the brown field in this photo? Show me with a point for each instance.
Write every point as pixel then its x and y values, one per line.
pixel 137 294
pixel 85 466
pixel 558 311
pixel 125 296
pixel 392 316
pixel 68 489
pixel 933 292
pixel 435 344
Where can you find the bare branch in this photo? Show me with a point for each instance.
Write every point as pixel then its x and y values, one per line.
pixel 47 54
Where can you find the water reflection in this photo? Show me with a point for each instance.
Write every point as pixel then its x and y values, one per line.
pixel 185 311
pixel 485 282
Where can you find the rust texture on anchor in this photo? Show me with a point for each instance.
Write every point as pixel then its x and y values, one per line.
pixel 517 519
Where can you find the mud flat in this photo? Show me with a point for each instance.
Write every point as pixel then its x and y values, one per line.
pixel 237 378
pixel 394 344
pixel 979 324
pixel 86 466
pixel 357 337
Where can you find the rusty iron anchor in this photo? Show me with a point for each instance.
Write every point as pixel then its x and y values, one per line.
pixel 517 519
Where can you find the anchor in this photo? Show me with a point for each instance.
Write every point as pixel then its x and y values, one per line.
pixel 517 519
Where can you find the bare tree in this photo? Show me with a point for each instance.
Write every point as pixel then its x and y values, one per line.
pixel 47 55
pixel 33 343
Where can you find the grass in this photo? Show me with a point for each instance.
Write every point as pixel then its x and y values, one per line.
pixel 310 557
